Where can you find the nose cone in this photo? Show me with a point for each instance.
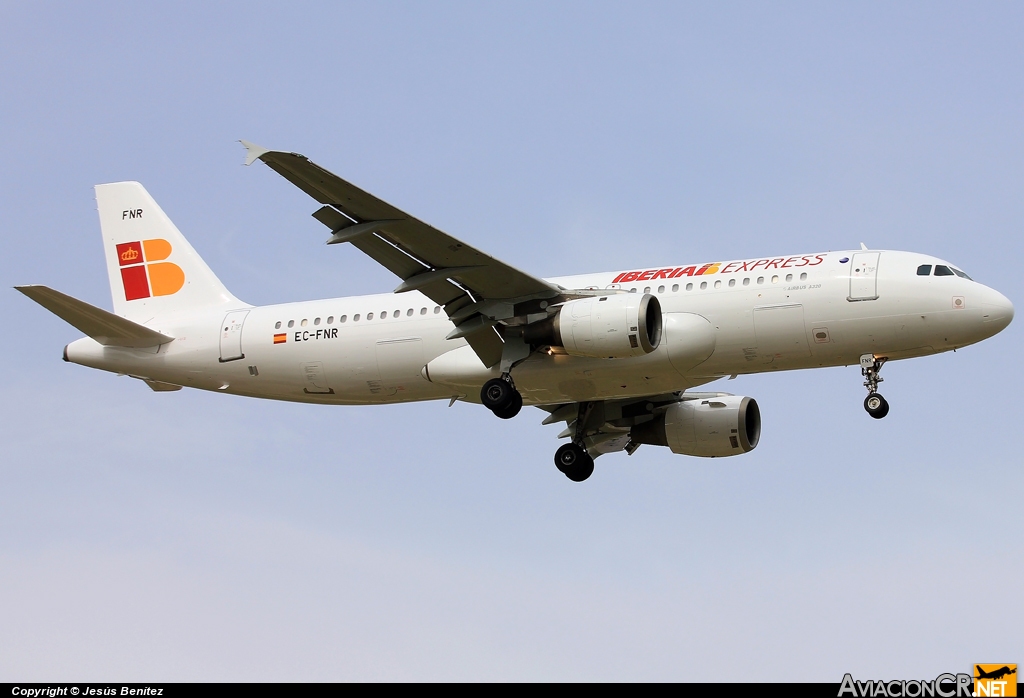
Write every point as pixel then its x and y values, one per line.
pixel 997 311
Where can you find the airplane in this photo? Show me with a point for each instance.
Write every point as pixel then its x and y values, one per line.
pixel 995 674
pixel 614 356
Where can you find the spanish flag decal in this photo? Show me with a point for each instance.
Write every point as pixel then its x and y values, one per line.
pixel 280 338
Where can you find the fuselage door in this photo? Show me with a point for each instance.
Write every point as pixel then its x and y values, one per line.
pixel 400 361
pixel 780 332
pixel 231 336
pixel 864 276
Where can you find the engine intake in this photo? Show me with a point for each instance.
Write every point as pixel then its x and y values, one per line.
pixel 616 326
pixel 714 427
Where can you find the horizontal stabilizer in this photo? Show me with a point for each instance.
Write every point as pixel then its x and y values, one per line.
pixel 103 326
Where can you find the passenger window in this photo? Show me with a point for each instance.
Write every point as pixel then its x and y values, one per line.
pixel 732 282
pixel 775 279
pixel 383 316
pixel 803 277
pixel 661 289
pixel 924 270
pixel 760 279
pixel 408 313
pixel 423 311
pixel 647 289
pixel 942 270
pixel 291 323
pixel 396 314
pixel 304 322
pixel 703 285
pixel 437 309
pixel 330 319
pixel 746 281
pixel 316 321
pixel 718 284
pixel 277 325
pixel 343 318
pixel 355 318
pixel 633 290
pixel 369 316
pixel 789 277
pixel 675 287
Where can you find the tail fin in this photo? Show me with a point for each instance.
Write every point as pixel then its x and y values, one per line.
pixel 152 268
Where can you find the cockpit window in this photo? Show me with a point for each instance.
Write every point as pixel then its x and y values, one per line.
pixel 961 274
pixel 942 270
pixel 924 270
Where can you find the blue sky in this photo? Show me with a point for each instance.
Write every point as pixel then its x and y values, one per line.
pixel 192 536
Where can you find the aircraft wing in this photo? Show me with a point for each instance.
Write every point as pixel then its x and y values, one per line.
pixel 604 425
pixel 474 288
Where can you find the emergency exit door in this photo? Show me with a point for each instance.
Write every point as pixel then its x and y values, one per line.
pixel 231 336
pixel 864 276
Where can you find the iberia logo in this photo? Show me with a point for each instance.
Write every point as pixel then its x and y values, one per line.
pixel 143 271
pixel 749 265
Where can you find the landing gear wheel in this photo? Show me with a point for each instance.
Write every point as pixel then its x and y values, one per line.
pixel 512 409
pixel 876 405
pixel 500 396
pixel 574 462
pixel 496 394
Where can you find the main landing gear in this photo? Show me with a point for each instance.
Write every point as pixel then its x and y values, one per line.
pixel 500 396
pixel 572 459
pixel 574 462
pixel 875 404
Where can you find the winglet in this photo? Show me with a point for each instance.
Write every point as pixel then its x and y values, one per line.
pixel 253 152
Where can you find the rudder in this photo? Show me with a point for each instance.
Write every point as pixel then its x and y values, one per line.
pixel 152 268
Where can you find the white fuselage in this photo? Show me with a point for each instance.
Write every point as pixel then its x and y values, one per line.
pixel 778 314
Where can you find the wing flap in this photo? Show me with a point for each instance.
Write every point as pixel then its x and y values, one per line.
pixel 103 326
pixel 487 345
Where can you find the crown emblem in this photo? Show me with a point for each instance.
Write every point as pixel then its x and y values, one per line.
pixel 130 255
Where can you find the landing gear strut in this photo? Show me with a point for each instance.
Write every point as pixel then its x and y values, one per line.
pixel 875 404
pixel 500 396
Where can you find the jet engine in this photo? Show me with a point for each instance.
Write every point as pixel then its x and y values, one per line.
pixel 710 427
pixel 615 326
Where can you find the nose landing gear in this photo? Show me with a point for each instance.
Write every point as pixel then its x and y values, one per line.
pixel 500 396
pixel 874 403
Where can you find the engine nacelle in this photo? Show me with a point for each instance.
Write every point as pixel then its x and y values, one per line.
pixel 711 427
pixel 615 326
